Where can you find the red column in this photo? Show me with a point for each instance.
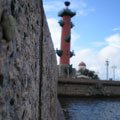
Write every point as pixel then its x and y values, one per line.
pixel 64 53
pixel 65 46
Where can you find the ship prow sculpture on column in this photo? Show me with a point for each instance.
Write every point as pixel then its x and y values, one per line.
pixel 64 68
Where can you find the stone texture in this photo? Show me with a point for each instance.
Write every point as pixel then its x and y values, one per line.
pixel 60 113
pixel 49 76
pixel 65 71
pixel 27 77
pixel 9 26
pixel 88 88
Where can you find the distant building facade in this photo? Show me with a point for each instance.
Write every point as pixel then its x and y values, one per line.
pixel 81 67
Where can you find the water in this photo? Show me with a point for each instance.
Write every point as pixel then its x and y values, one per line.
pixel 91 109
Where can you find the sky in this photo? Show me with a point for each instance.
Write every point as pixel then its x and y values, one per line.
pixel 95 37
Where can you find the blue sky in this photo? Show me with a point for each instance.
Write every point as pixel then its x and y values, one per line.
pixel 96 35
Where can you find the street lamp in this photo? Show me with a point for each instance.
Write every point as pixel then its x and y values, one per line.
pixel 114 67
pixel 107 64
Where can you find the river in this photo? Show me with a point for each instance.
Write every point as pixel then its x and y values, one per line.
pixel 91 108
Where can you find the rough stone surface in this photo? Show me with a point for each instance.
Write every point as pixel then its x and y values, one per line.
pixel 27 78
pixel 65 72
pixel 49 77
pixel 85 88
pixel 60 113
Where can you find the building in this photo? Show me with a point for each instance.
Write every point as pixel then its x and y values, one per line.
pixel 81 67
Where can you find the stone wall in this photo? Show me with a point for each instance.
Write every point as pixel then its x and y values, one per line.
pixel 49 76
pixel 27 62
pixel 88 88
pixel 60 113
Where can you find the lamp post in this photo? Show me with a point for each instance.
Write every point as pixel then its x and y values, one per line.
pixel 114 67
pixel 107 64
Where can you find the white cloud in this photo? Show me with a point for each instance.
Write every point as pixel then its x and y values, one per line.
pixel 86 55
pixel 85 11
pixel 114 40
pixel 83 4
pixel 92 10
pixel 82 12
pixel 111 51
pixel 95 60
pixel 74 37
pixel 53 6
pixel 116 29
pixel 99 44
pixel 80 6
pixel 55 30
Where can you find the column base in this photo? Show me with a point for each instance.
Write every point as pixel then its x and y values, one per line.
pixel 66 71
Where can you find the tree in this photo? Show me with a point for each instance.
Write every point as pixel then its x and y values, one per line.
pixel 89 73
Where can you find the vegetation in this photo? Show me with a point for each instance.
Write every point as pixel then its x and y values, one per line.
pixel 89 73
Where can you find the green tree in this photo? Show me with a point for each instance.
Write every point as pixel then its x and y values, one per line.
pixel 88 73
